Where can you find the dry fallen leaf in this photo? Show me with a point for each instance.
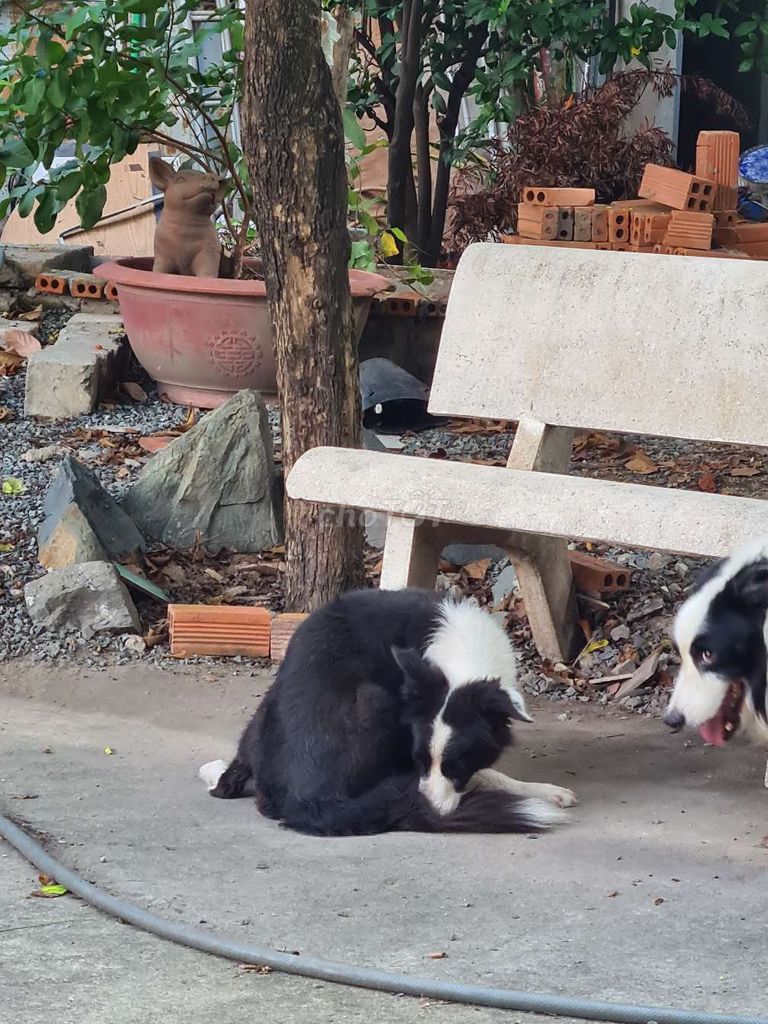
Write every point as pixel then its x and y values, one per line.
pixel 155 443
pixel 5 413
pixel 640 463
pixel 9 363
pixel 134 391
pixel 745 471
pixel 21 342
pixel 477 570
pixel 32 314
pixel 707 482
pixel 438 956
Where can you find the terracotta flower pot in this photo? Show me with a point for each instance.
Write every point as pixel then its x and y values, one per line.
pixel 203 338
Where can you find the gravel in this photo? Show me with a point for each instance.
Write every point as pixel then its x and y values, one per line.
pixel 21 515
pixel 626 628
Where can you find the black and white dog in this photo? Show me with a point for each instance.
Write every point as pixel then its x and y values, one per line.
pixel 722 634
pixel 388 713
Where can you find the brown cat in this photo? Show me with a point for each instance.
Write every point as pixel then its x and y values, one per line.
pixel 186 241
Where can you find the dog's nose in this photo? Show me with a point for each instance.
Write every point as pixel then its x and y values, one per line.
pixel 674 720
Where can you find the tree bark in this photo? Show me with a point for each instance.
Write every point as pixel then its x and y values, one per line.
pixel 294 146
pixel 401 191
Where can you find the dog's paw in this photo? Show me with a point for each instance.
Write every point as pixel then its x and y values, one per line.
pixel 211 772
pixel 556 795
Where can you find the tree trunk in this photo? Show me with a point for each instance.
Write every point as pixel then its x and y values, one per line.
pixel 401 191
pixel 342 50
pixel 294 146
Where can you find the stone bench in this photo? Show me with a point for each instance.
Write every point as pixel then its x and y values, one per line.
pixel 557 340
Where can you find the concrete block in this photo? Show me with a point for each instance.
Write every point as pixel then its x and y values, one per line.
pixel 582 223
pixel 23 263
pixel 68 378
pixel 565 222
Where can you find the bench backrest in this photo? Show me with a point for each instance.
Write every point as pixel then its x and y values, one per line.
pixel 637 343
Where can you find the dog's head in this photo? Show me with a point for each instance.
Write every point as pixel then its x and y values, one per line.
pixel 458 730
pixel 188 191
pixel 721 632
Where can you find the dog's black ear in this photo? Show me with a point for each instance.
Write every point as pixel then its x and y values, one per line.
pixel 750 585
pixel 424 687
pixel 486 699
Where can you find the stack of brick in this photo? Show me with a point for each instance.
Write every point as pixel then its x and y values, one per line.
pixel 676 212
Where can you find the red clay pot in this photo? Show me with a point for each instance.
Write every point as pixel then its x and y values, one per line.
pixel 203 338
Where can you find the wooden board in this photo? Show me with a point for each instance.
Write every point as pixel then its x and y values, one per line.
pixel 131 234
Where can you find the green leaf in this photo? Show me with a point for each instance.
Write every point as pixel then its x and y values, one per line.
pixel 16 154
pixel 34 94
pixel 27 201
pixel 12 486
pixel 45 214
pixel 353 129
pixel 90 205
pixel 68 185
pixel 57 92
pixel 53 890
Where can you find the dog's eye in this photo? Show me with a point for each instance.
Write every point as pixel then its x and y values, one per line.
pixel 707 657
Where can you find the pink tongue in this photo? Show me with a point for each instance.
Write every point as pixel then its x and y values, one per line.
pixel 713 731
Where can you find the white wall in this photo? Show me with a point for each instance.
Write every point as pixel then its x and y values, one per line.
pixel 663 112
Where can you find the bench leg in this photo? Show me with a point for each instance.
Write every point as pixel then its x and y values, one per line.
pixel 411 554
pixel 546 587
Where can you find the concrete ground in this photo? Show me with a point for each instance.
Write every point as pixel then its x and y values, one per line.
pixel 655 893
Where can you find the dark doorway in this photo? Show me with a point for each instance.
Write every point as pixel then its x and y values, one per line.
pixel 718 60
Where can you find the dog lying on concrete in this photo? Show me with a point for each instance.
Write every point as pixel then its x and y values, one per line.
pixel 388 714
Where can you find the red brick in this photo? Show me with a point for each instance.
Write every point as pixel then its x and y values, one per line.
pixel 717 157
pixel 558 196
pixel 677 189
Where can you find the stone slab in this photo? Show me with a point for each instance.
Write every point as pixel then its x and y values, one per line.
pixel 68 378
pixel 89 597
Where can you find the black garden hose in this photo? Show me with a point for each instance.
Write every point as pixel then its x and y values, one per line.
pixel 343 974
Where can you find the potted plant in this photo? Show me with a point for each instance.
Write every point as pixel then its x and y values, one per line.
pixel 105 78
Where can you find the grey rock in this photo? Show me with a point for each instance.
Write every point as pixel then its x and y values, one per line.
pixel 620 633
pixel 371 442
pixel 89 597
pixel 83 523
pixel 504 584
pixel 657 561
pixel 216 482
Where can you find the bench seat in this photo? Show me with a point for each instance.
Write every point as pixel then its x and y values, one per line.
pixel 522 501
